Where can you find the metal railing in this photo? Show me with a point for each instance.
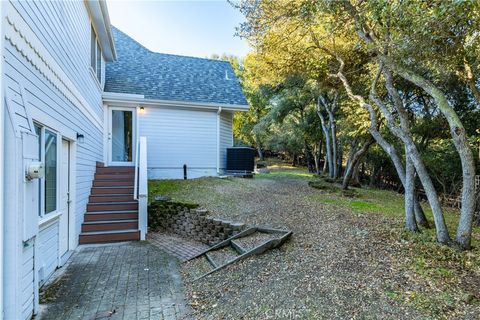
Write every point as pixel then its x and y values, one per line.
pixel 140 191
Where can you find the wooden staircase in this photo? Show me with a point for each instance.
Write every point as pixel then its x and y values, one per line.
pixel 112 212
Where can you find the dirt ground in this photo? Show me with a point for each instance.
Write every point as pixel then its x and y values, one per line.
pixel 340 263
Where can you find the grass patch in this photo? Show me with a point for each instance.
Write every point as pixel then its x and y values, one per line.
pixel 163 187
pixel 281 173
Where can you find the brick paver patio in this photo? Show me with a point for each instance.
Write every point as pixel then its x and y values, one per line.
pixel 182 248
pixel 119 281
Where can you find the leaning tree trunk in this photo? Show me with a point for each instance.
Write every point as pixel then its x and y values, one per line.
pixel 387 147
pixel 333 132
pixel 328 142
pixel 356 158
pixel 412 151
pixel 410 223
pixel 355 181
pixel 259 148
pixel 353 149
pixel 457 131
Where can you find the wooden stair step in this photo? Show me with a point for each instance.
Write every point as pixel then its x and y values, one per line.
pixel 112 190
pixel 111 198
pixel 113 183
pixel 109 176
pixel 104 225
pixel 109 236
pixel 115 170
pixel 111 215
pixel 112 206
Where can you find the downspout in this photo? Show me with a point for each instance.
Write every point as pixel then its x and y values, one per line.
pixel 218 139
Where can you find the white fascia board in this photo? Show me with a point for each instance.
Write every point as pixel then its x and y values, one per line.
pixel 123 98
pixel 2 152
pixel 101 22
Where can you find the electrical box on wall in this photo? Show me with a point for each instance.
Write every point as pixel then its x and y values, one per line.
pixel 35 170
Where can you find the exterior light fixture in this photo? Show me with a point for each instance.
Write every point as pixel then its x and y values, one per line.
pixel 80 138
pixel 142 110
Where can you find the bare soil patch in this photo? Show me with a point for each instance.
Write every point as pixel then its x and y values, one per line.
pixel 340 263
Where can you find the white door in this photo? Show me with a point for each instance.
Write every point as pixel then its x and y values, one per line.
pixel 121 136
pixel 64 200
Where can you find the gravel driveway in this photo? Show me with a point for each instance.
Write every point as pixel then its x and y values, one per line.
pixel 337 264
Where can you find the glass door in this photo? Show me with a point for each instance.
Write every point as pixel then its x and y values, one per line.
pixel 122 136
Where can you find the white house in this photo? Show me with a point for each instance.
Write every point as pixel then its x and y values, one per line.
pixel 77 96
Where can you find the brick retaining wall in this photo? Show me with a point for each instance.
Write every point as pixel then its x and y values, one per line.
pixel 190 222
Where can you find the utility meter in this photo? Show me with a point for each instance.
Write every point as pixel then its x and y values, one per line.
pixel 35 170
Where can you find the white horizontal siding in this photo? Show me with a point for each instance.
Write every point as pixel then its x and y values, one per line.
pixel 226 137
pixel 179 136
pixel 48 251
pixel 64 29
pixel 46 102
pixel 60 29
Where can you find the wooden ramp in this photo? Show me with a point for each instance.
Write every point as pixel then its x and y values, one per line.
pixel 249 242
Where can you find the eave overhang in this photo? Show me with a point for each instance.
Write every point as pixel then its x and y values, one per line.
pixel 129 99
pixel 101 23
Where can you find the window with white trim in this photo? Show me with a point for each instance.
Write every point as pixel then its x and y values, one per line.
pixel 48 155
pixel 96 56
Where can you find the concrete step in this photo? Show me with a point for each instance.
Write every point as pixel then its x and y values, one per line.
pixel 109 236
pixel 111 198
pixel 112 206
pixel 111 215
pixel 105 225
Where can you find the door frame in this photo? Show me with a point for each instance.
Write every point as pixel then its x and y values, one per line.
pixel 71 230
pixel 133 109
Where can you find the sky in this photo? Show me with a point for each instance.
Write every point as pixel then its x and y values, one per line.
pixel 191 28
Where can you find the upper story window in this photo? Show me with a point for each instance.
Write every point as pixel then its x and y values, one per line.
pixel 96 56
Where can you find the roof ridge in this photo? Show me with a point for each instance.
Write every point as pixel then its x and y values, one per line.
pixel 126 35
pixel 168 54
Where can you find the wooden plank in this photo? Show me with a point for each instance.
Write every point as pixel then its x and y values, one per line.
pixel 269 244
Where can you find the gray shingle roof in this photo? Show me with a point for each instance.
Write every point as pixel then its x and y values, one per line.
pixel 138 70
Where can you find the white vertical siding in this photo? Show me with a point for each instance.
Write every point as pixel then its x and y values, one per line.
pixel 27 285
pixel 226 136
pixel 180 136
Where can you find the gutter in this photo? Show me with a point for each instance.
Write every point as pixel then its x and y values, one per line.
pixel 218 139
pixel 128 99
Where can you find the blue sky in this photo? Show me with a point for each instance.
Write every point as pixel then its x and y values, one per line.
pixel 192 28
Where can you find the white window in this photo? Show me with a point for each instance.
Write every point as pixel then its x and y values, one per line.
pixel 96 56
pixel 48 154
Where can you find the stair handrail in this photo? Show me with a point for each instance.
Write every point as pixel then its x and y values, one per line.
pixel 135 183
pixel 142 188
